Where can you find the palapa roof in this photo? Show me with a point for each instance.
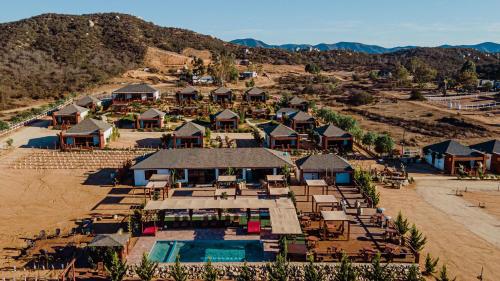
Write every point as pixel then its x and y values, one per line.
pixel 88 126
pixel 330 130
pixel 152 113
pixel 71 109
pixel 451 147
pixel 490 147
pixel 254 91
pixel 323 162
pixel 222 90
pixel 297 101
pixel 226 114
pixel 141 88
pixel 86 100
pixel 189 129
pixel 205 158
pixel 109 240
pixel 188 90
pixel 279 130
pixel 302 116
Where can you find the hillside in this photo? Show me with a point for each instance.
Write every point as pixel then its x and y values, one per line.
pixel 49 55
pixel 487 47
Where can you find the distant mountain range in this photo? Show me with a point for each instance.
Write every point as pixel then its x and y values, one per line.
pixel 488 47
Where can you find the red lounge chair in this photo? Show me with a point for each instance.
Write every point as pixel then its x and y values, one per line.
pixel 253 227
pixel 149 231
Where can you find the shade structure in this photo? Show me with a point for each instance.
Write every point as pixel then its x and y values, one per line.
pixel 282 211
pixel 334 216
pixel 159 177
pixel 316 183
pixel 226 179
pixel 325 199
pixel 156 184
pixel 276 178
pixel 110 240
pixel 210 203
pixel 284 221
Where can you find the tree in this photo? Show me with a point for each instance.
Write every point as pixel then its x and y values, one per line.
pixel 198 66
pixel 9 142
pixel 245 274
pixel 416 95
pixel 412 274
pixel 346 271
pixel 467 75
pixel 360 98
pixel 430 265
pixel 210 273
pixel 401 75
pixel 3 125
pixel 278 271
pixel 402 224
pixel 223 68
pixel 369 139
pixel 178 272
pixel 443 275
pixel 146 269
pixel 116 268
pixel 384 144
pixel 250 83
pixel 417 240
pixel 422 73
pixel 377 272
pixel 312 68
pixel 311 272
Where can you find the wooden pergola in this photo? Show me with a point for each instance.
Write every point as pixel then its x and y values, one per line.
pixel 315 183
pixel 157 181
pixel 334 222
pixel 276 180
pixel 229 186
pixel 329 200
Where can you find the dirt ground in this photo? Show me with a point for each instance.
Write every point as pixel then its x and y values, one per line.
pixel 463 236
pixel 489 199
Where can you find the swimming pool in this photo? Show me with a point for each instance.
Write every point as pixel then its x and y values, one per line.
pixel 202 250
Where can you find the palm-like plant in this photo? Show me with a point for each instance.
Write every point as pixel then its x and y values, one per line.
pixel 146 269
pixel 377 272
pixel 417 240
pixel 402 224
pixel 443 275
pixel 245 274
pixel 210 273
pixel 311 272
pixel 412 274
pixel 278 271
pixel 178 272
pixel 430 265
pixel 116 268
pixel 346 271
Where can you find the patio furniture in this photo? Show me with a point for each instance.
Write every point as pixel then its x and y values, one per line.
pixel 253 227
pixel 312 240
pixel 331 226
pixel 367 254
pixel 150 231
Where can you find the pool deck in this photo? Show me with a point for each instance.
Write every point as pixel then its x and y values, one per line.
pixel 144 244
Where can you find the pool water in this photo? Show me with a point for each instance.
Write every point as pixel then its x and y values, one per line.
pixel 202 250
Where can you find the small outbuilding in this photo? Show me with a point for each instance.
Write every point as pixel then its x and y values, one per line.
pixel 89 133
pixel 90 102
pixel 188 135
pixel 330 137
pixel 329 167
pixel 255 95
pixel 69 115
pixel 279 136
pixel 151 118
pixel 491 150
pixel 222 95
pixel 449 155
pixel 226 120
pixel 302 122
pixel 187 95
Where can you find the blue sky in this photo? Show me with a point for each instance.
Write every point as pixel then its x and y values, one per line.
pixel 383 22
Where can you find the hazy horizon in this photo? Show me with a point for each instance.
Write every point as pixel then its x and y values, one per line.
pixel 387 23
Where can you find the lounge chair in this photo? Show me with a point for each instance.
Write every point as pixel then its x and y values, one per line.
pixel 253 227
pixel 150 231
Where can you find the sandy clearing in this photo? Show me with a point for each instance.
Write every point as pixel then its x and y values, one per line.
pixel 448 234
pixel 491 199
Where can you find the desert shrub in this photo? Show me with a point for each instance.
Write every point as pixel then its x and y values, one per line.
pixel 360 98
